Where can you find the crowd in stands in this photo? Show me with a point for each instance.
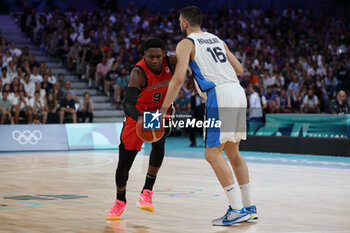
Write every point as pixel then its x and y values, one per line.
pixel 30 93
pixel 295 60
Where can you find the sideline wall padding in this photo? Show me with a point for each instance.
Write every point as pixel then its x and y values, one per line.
pixel 33 138
pixel 106 136
pixel 93 136
pixel 59 137
pixel 302 125
pixel 297 145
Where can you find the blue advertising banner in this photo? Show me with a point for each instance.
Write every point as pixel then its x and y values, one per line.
pixel 302 125
pixel 33 137
pixel 93 136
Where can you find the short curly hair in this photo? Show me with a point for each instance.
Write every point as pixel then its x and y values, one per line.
pixel 153 43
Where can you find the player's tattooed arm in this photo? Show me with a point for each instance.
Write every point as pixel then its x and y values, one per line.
pixel 137 78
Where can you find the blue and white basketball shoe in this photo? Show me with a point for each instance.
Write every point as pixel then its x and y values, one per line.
pixel 232 216
pixel 252 212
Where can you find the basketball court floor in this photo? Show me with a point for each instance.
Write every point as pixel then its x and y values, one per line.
pixel 73 191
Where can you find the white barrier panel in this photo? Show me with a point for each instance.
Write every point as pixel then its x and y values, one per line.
pixel 33 137
pixel 60 137
pixel 93 136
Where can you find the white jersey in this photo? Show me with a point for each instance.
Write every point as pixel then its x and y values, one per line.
pixel 210 65
pixel 217 82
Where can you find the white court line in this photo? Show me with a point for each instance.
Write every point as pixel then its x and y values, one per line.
pixel 110 160
pixel 315 231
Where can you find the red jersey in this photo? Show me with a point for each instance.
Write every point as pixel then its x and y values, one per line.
pixel 150 99
pixel 152 95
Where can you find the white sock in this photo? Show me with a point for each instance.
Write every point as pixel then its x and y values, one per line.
pixel 245 191
pixel 233 197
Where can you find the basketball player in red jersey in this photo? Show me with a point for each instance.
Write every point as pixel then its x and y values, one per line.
pixel 147 88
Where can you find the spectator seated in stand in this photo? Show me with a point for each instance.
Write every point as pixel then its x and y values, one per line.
pixel 67 89
pixel 51 108
pixel 67 109
pixel 73 56
pixel 35 77
pixel 29 86
pixel 15 52
pixel 340 104
pixel 22 108
pixel 45 84
pixel 38 106
pixel 11 70
pixel 5 79
pixel 297 102
pixel 120 86
pixel 269 101
pixel 284 103
pixel 36 120
pixel 60 80
pixel 57 93
pixel 40 90
pixel 51 77
pixel 42 68
pixel 63 47
pixel 102 70
pixel 310 103
pixel 5 109
pixel 26 57
pixel 86 108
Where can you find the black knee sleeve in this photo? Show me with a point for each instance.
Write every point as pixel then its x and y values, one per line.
pixel 157 153
pixel 126 158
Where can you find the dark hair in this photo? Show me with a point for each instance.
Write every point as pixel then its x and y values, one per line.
pixel 256 88
pixel 153 43
pixel 36 117
pixel 193 15
pixel 3 89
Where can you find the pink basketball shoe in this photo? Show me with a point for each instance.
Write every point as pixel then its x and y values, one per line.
pixel 117 210
pixel 145 201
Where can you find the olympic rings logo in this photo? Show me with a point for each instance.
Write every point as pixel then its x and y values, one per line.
pixel 27 136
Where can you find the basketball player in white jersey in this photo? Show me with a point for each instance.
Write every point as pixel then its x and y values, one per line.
pixel 215 71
